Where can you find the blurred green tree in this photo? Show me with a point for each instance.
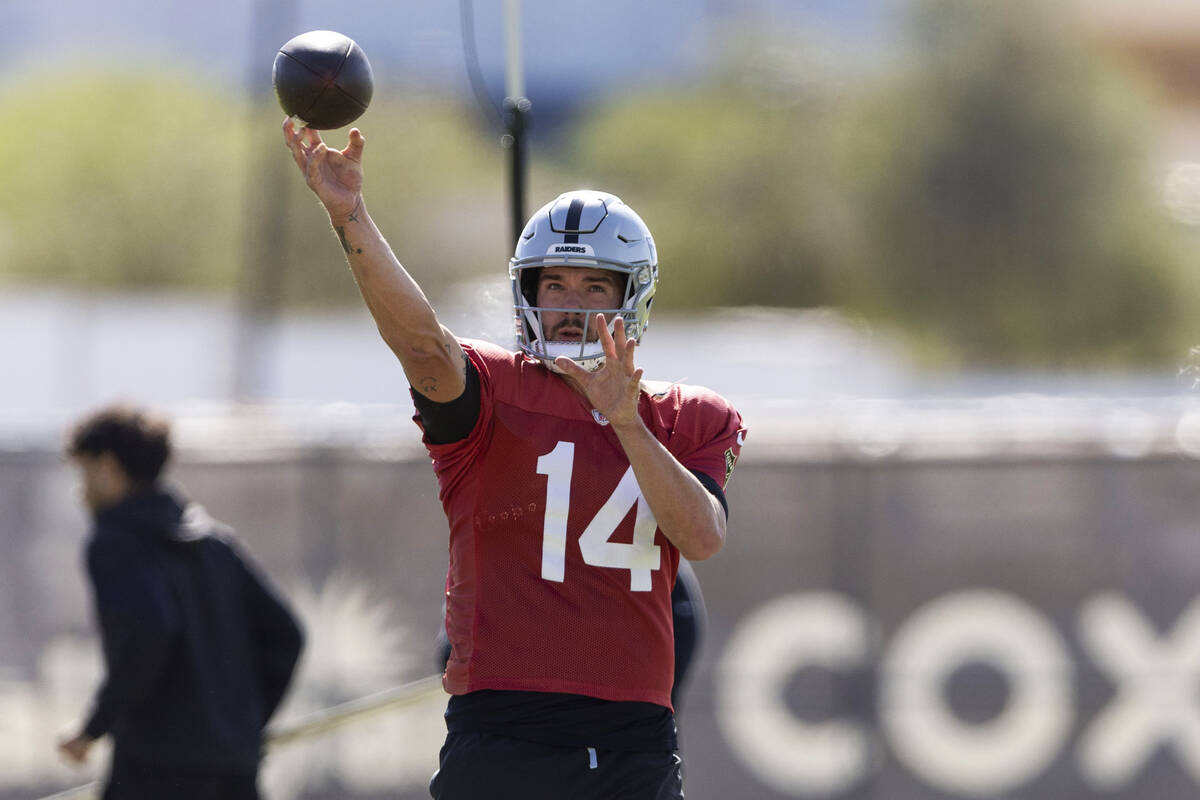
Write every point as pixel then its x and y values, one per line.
pixel 117 180
pixel 733 176
pixel 1007 201
pixel 987 193
pixel 435 186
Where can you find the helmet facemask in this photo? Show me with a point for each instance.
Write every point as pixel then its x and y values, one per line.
pixel 587 351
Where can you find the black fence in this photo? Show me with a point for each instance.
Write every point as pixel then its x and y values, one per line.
pixel 890 627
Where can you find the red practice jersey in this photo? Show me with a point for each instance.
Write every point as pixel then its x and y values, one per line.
pixel 559 579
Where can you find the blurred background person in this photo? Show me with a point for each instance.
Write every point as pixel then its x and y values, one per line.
pixel 199 649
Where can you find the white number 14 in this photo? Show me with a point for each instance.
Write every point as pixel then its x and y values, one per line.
pixel 640 558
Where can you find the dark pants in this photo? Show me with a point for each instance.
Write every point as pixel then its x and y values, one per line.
pixel 487 767
pixel 133 780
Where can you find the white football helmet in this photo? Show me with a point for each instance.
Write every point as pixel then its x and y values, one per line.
pixel 583 228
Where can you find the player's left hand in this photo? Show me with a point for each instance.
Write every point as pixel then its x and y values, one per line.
pixel 614 388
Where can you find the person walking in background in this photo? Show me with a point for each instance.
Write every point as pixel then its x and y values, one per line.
pixel 199 648
pixel 572 489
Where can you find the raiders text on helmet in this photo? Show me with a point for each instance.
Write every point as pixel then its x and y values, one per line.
pixel 583 228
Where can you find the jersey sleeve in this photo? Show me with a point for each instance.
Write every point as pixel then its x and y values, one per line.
pixel 451 460
pixel 708 435
pixel 448 422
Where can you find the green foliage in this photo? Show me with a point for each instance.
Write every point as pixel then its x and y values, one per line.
pixel 433 184
pixel 988 196
pixel 1004 188
pixel 127 181
pixel 738 190
pixel 116 181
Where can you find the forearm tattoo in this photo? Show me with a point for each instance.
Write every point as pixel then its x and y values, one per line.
pixel 341 232
pixel 341 229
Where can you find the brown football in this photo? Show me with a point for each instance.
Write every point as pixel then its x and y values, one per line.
pixel 323 79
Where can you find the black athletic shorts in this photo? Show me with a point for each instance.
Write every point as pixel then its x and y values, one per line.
pixel 484 766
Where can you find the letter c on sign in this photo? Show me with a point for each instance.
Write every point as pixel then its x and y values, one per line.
pixel 769 646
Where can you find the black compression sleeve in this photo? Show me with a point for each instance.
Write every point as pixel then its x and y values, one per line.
pixel 451 421
pixel 712 487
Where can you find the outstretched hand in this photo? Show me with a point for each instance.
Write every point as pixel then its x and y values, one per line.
pixel 614 388
pixel 335 176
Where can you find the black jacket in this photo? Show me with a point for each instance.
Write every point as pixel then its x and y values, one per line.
pixel 198 648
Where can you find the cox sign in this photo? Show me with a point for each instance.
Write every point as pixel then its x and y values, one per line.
pixel 1155 704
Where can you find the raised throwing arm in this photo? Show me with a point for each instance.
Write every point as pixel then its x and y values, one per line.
pixel 431 357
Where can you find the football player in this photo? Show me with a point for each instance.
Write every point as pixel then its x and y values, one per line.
pixel 572 488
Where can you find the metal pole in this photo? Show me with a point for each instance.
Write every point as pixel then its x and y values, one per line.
pixel 259 292
pixel 516 116
pixel 516 111
pixel 514 68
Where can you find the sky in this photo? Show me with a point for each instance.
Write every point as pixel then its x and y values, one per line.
pixel 567 54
